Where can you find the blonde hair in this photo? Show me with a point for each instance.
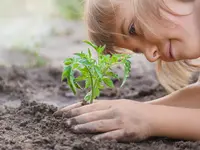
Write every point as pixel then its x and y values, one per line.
pixel 100 17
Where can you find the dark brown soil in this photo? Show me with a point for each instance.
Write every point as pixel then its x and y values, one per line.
pixel 27 124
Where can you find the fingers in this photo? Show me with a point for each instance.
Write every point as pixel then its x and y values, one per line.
pixel 90 117
pixel 78 108
pixel 86 109
pixel 66 109
pixel 119 135
pixel 96 126
pixel 112 135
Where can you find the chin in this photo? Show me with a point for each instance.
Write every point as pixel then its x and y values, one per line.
pixel 168 60
pixel 196 56
pixel 193 54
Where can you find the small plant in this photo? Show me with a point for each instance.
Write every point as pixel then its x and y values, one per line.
pixel 97 73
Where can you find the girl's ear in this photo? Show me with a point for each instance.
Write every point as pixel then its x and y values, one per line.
pixel 180 7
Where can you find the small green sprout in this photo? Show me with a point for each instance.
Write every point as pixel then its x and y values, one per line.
pixel 97 73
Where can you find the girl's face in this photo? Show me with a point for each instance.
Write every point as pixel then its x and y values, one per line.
pixel 180 41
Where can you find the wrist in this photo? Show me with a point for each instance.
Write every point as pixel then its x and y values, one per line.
pixel 166 121
pixel 155 120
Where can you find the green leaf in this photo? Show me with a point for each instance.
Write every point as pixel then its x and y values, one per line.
pixel 108 82
pixel 91 44
pixel 98 71
pixel 85 62
pixel 127 69
pixel 81 55
pixel 101 86
pixel 80 78
pixel 77 85
pixel 68 61
pixel 89 53
pixel 84 70
pixel 114 58
pixel 107 59
pixel 72 84
pixel 75 65
pixel 68 74
pixel 64 75
pixel 88 96
pixel 96 93
pixel 87 83
pixel 112 75
pixel 84 74
pixel 100 49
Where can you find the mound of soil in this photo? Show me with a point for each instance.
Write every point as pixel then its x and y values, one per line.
pixel 29 97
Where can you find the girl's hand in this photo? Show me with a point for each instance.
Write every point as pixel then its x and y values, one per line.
pixel 121 120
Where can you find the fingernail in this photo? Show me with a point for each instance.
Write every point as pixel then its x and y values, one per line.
pixel 58 114
pixel 75 129
pixel 68 123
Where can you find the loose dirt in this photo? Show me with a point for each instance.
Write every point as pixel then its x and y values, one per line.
pixel 29 97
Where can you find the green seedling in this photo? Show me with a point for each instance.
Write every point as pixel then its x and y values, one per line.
pixel 97 72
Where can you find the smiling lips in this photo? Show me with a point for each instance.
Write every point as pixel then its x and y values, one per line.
pixel 169 51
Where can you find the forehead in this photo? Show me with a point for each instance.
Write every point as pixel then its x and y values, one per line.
pixel 125 12
pixel 124 17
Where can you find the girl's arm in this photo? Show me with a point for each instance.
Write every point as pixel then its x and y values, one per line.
pixel 179 115
pixel 188 97
pixel 176 122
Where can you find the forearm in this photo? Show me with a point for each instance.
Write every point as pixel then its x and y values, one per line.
pixel 178 123
pixel 188 97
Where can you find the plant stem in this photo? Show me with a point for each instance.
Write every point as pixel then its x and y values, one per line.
pixel 92 86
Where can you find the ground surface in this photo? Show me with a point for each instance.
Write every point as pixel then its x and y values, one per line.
pixel 29 125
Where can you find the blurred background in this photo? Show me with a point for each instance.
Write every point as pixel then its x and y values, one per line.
pixel 34 32
pixel 43 32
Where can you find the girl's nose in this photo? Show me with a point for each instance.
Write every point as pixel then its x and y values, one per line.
pixel 152 54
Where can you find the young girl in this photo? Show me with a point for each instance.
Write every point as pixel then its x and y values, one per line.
pixel 166 32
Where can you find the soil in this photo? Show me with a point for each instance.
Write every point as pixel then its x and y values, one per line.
pixel 29 97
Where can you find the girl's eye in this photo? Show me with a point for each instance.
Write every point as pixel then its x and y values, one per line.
pixel 132 30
